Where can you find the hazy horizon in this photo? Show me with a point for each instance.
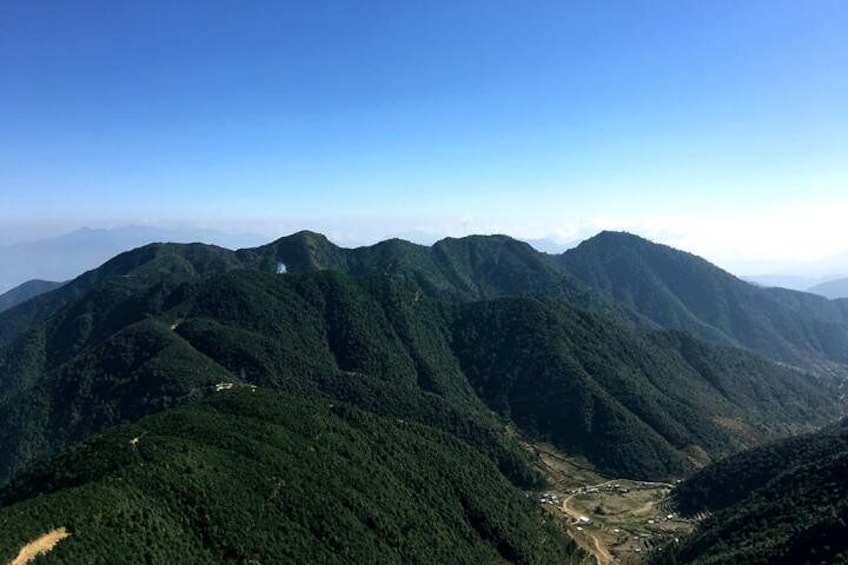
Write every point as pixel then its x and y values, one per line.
pixel 119 238
pixel 718 128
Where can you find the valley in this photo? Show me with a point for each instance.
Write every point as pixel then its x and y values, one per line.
pixel 616 521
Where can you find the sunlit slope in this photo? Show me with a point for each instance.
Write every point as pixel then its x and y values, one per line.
pixel 102 362
pixel 272 478
pixel 137 270
pixel 640 404
pixel 471 268
pixel 675 289
pixel 620 275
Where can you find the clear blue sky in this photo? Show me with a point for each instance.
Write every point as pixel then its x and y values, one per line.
pixel 688 121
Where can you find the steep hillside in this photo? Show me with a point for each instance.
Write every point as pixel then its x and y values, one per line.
pixel 781 503
pixel 24 292
pixel 261 477
pixel 139 269
pixel 637 404
pixel 678 290
pixel 116 355
pixel 66 256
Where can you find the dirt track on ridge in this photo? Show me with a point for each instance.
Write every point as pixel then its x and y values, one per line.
pixel 39 546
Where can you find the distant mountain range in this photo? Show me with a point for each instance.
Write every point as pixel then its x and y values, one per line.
pixel 831 289
pixel 792 282
pixel 807 276
pixel 647 361
pixel 66 256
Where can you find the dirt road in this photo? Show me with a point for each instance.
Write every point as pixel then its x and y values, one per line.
pixel 39 546
pixel 596 548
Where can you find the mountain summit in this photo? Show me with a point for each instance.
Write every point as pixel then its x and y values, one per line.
pixel 675 289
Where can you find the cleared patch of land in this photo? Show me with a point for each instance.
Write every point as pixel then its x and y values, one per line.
pixel 39 546
pixel 614 520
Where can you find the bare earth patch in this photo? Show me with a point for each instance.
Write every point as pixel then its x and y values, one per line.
pixel 39 546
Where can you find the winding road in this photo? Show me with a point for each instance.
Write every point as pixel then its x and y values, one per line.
pixel 596 548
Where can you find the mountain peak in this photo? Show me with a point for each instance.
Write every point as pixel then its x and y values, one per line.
pixel 301 251
pixel 609 237
pixel 306 237
pixel 676 289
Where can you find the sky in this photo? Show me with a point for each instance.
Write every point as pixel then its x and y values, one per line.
pixel 718 127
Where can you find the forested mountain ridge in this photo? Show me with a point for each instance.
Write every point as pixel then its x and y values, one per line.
pixel 454 269
pixel 452 344
pixel 471 268
pixel 621 275
pixel 118 354
pixel 265 477
pixel 128 349
pixel 675 289
pixel 24 292
pixel 138 269
pixel 785 502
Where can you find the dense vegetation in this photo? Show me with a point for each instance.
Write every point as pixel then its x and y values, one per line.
pixel 138 269
pixel 617 274
pixel 424 354
pixel 635 403
pixel 130 348
pixel 678 290
pixel 471 268
pixel 261 477
pixel 782 503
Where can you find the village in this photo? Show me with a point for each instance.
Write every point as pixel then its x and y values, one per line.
pixel 617 521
